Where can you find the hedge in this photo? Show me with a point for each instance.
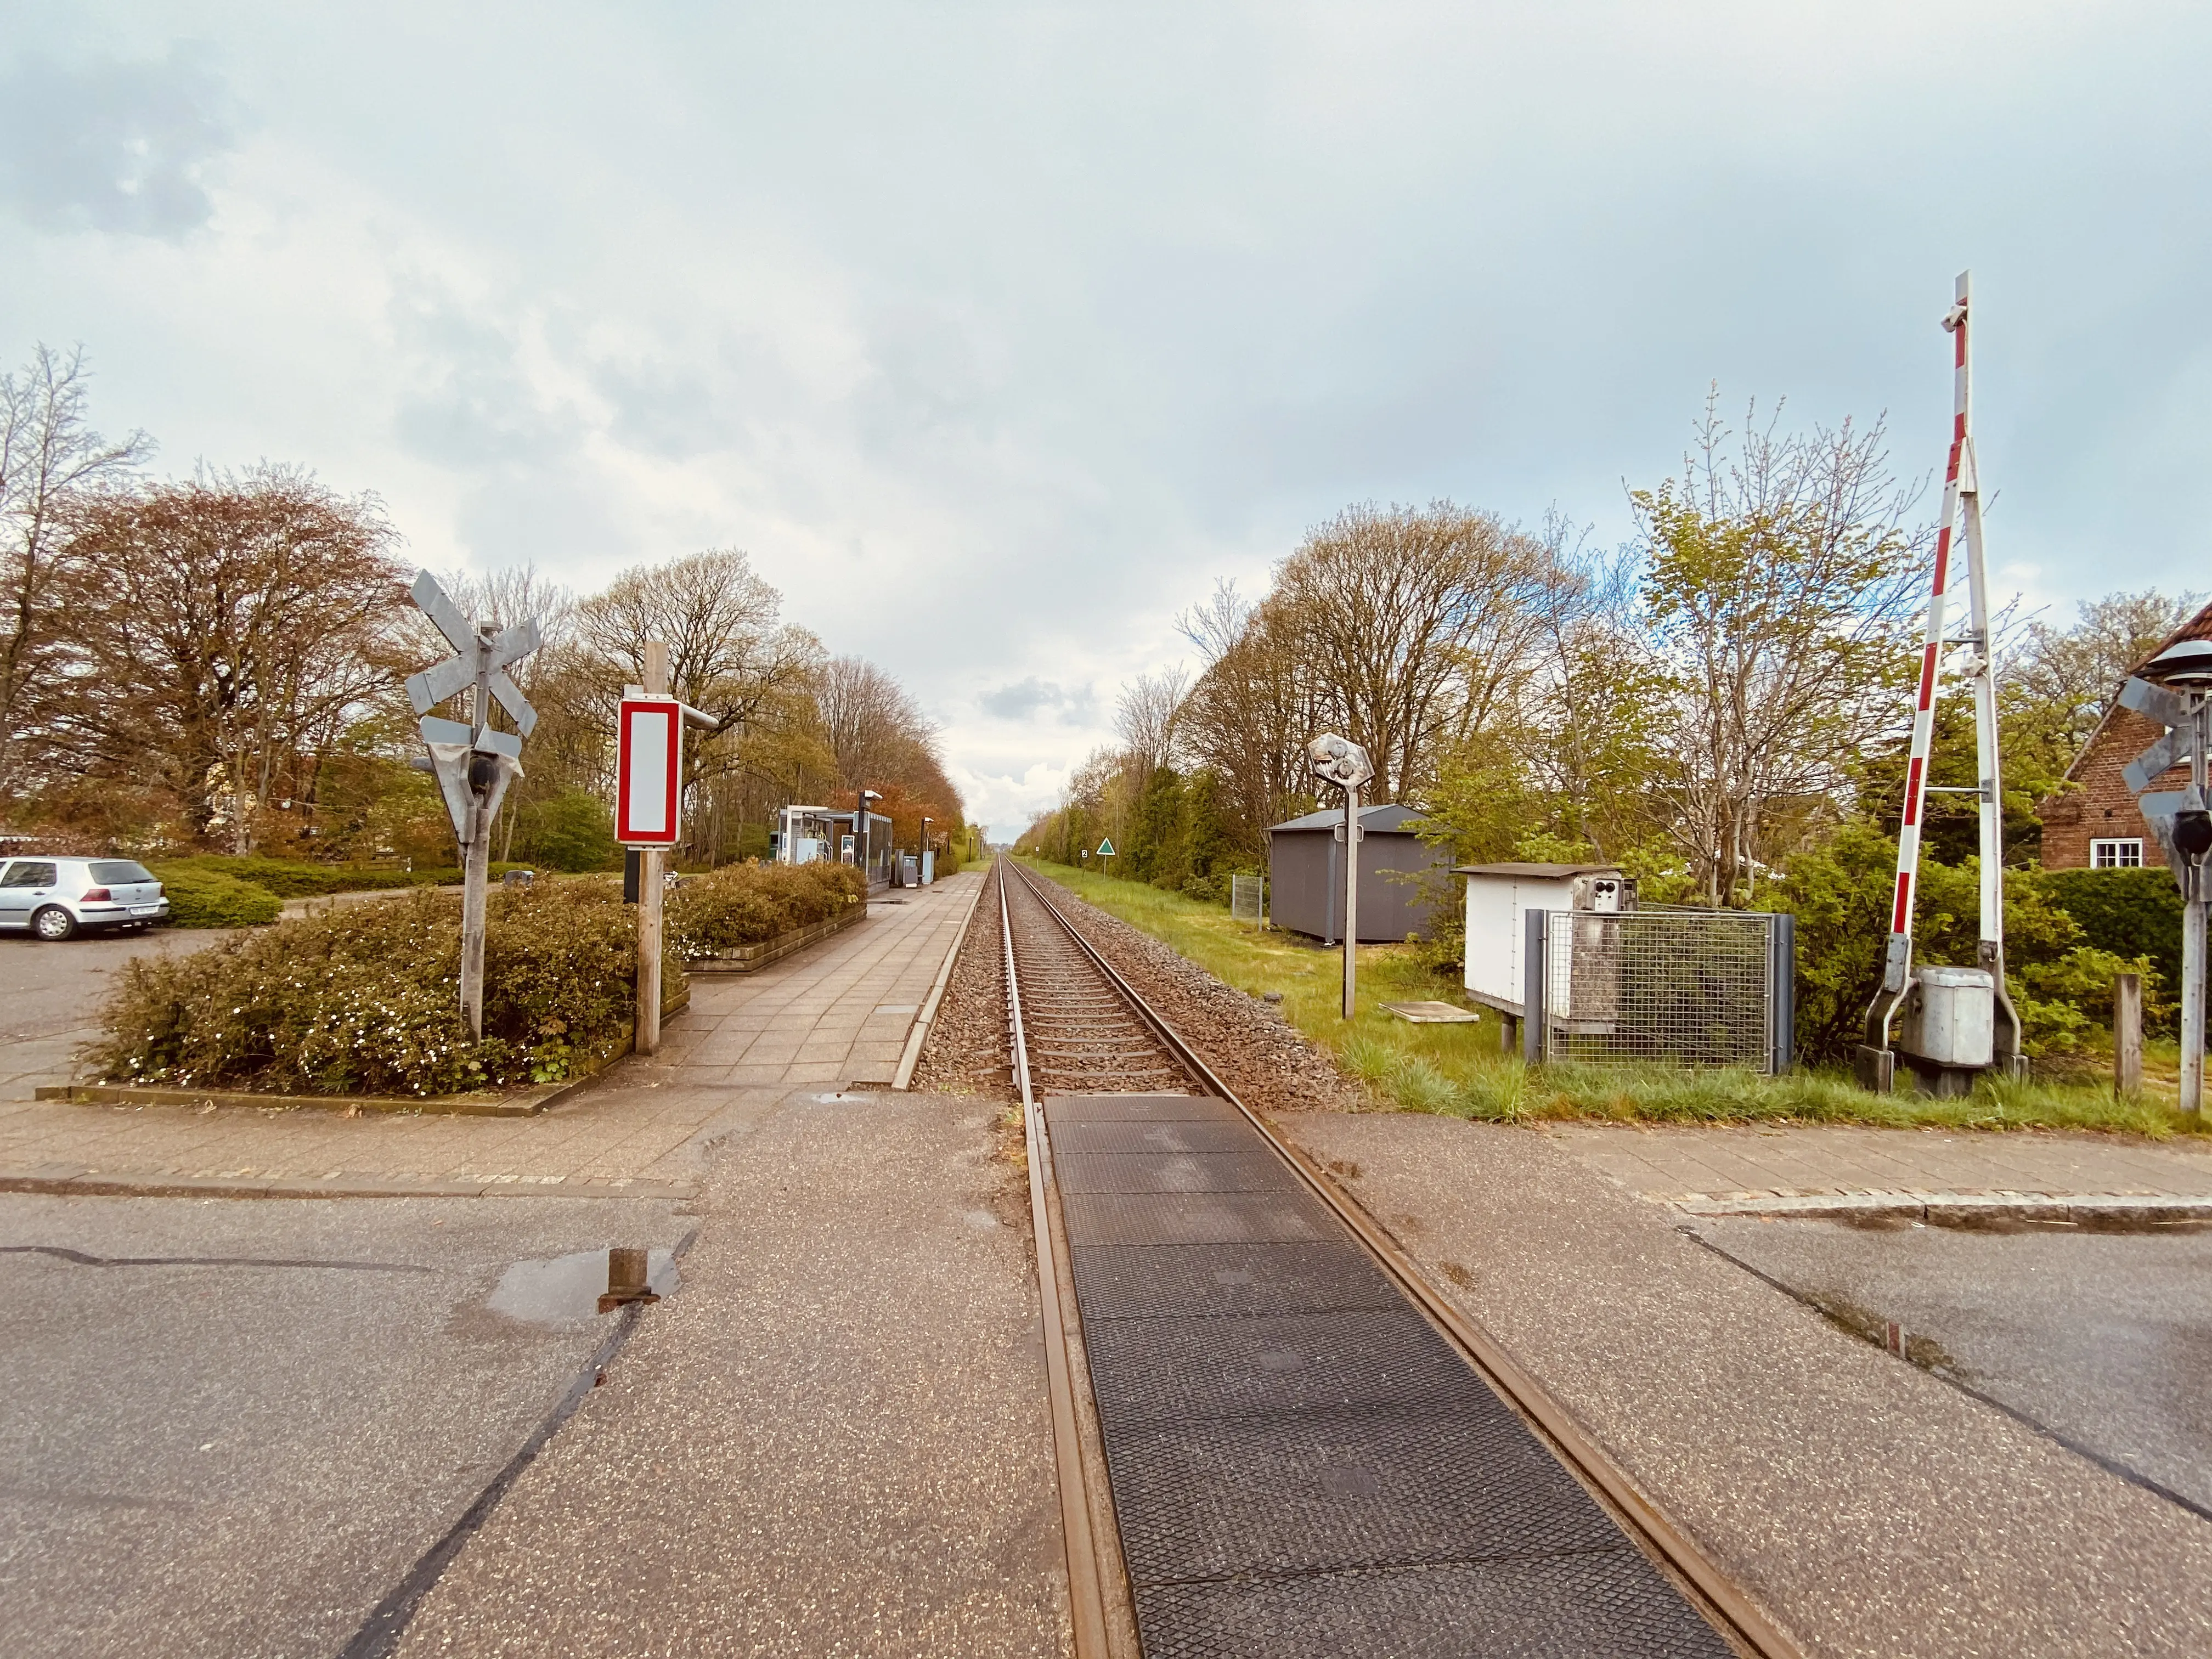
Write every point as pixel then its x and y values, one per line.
pixel 2130 913
pixel 365 999
pixel 744 904
pixel 202 897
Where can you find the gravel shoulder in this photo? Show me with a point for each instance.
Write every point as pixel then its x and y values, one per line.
pixel 1872 1508
pixel 968 1048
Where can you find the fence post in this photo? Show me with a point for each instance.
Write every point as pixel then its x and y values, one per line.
pixel 1535 977
pixel 2127 1034
pixel 1783 994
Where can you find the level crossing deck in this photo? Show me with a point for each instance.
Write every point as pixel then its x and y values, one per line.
pixel 1301 1464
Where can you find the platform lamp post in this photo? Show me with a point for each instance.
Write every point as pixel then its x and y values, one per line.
pixel 861 828
pixel 1343 763
pixel 2179 696
pixel 921 859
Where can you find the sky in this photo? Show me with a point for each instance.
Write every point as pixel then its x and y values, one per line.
pixel 997 334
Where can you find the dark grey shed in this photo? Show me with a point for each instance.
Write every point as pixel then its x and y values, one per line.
pixel 1305 874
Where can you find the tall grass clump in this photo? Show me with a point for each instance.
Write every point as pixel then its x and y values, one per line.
pixel 365 1000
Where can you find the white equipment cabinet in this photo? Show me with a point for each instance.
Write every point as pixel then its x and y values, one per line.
pixel 1499 899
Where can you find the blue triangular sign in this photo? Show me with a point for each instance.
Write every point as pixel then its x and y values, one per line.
pixel 1106 847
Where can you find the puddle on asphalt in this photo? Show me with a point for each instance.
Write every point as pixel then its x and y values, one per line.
pixel 561 1290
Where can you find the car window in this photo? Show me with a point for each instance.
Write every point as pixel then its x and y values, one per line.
pixel 107 870
pixel 23 873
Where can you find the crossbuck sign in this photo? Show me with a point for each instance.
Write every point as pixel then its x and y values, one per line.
pixel 473 763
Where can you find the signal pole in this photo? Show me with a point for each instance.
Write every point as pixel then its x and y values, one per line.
pixel 1962 519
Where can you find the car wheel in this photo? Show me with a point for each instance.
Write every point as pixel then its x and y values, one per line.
pixel 53 924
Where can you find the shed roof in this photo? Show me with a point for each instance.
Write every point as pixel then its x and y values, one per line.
pixel 1373 820
pixel 1537 871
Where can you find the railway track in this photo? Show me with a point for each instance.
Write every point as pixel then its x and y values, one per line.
pixel 1309 1450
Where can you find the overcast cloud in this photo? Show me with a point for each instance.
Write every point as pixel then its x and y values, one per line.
pixel 996 334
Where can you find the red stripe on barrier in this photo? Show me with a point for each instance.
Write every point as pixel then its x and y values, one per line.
pixel 1912 792
pixel 1904 910
pixel 1958 344
pixel 1951 475
pixel 1942 559
pixel 1926 674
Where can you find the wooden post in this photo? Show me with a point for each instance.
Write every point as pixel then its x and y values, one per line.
pixel 649 891
pixel 2127 1035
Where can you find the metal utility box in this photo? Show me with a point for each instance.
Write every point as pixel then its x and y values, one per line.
pixel 1499 899
pixel 1949 1018
pixel 1305 874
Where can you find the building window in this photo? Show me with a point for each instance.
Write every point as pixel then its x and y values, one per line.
pixel 2116 854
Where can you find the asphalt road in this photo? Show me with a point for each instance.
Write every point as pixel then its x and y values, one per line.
pixel 2103 1339
pixel 235 1427
pixel 50 988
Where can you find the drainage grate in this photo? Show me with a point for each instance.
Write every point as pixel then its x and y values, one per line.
pixel 1070 1137
pixel 1301 1464
pixel 1610 1602
pixel 1175 1172
pixel 1151 1372
pixel 1226 1281
pixel 1140 1109
pixel 1195 1218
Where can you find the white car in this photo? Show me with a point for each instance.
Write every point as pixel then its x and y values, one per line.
pixel 55 898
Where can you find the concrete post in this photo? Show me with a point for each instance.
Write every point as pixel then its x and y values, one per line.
pixel 2127 1035
pixel 649 894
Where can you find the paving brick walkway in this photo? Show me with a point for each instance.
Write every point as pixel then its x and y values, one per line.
pixel 835 1014
pixel 1680 1164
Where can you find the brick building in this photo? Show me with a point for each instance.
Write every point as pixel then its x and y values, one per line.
pixel 2094 825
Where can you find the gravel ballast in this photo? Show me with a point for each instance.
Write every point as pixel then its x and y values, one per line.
pixel 967 1052
pixel 1252 1047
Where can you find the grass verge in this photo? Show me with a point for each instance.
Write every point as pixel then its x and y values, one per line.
pixel 1458 1070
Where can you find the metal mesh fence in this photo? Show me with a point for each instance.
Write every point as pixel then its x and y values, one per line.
pixel 1248 898
pixel 1690 988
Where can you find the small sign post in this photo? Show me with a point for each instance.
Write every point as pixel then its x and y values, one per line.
pixel 1345 763
pixel 1105 852
pixel 472 763
pixel 649 790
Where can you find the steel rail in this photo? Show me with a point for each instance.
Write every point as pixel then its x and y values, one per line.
pixel 1737 1616
pixel 1085 1590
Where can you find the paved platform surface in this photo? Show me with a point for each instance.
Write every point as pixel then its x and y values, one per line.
pixel 837 1013
pixel 231 1428
pixel 836 1441
pixel 1874 1509
pixel 1673 1164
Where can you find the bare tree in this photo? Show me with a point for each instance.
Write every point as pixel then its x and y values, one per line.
pixel 872 723
pixel 50 460
pixel 1145 717
pixel 1421 624
pixel 1782 577
pixel 2073 674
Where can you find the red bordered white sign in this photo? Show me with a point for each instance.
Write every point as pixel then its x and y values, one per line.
pixel 648 771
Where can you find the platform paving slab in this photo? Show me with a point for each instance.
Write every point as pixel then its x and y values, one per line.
pixel 1871 1507
pixel 835 1441
pixel 630 1128
pixel 1684 1163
